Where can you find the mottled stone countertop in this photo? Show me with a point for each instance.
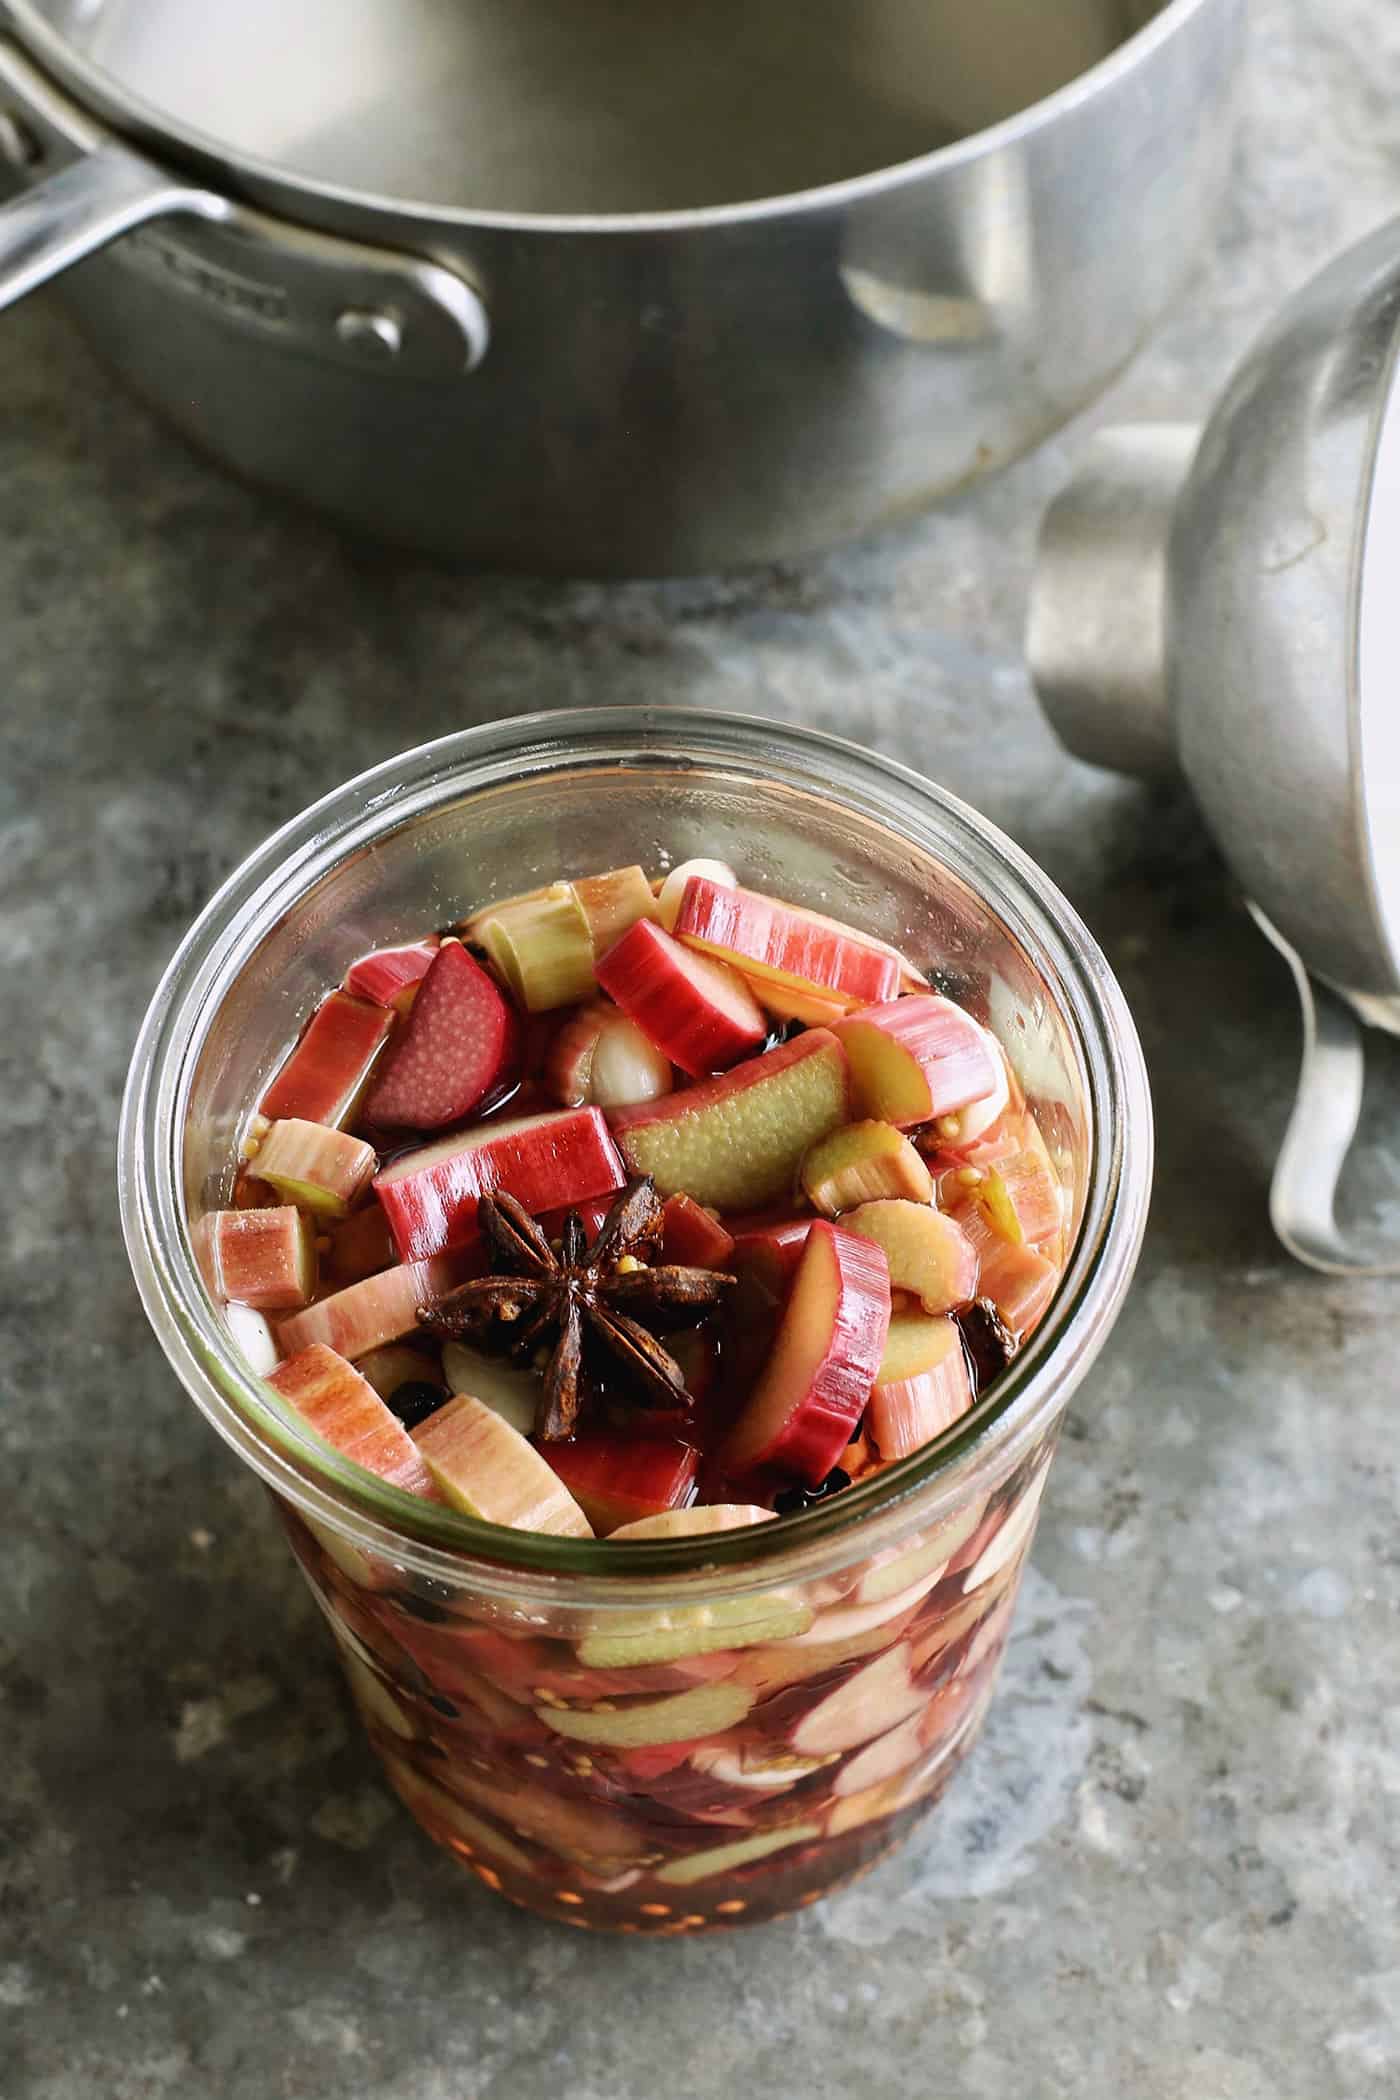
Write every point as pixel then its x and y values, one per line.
pixel 1172 1867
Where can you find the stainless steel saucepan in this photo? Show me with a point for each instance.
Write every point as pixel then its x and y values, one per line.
pixel 1229 603
pixel 613 287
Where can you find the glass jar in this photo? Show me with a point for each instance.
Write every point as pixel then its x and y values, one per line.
pixel 670 1736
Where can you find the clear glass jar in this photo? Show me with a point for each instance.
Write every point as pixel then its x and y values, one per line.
pixel 697 1733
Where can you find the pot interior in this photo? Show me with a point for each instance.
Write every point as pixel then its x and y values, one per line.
pixel 587 106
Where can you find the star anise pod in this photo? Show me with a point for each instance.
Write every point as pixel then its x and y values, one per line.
pixel 607 1290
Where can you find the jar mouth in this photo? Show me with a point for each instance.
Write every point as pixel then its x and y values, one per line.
pixel 435 1542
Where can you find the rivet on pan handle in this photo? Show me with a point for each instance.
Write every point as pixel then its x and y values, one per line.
pixel 1321 1129
pixel 82 188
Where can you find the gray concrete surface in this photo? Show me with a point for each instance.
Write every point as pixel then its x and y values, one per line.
pixel 1172 1868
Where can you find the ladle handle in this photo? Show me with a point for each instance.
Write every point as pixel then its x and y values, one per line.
pixel 1321 1129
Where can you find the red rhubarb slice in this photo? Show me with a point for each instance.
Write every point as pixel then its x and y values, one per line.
pixel 923 1387
pixel 913 1060
pixel 735 1142
pixel 772 1247
pixel 763 938
pixel 817 1380
pixel 461 1043
pixel 672 890
pixel 322 1170
pixel 1017 1278
pixel 430 1197
pixel 325 1074
pixel 344 1408
pixel 360 1245
pixel 263 1258
pixel 388 973
pixel 484 1467
pixel 700 1015
pixel 618 1478
pixel 691 1237
pixel 376 1310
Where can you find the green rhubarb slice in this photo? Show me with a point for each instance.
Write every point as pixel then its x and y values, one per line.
pixel 722 1859
pixel 542 947
pixel 737 1143
pixel 629 1639
pixel 709 1708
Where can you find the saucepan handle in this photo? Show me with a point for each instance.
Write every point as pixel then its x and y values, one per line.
pixel 83 186
pixel 1321 1129
pixel 84 207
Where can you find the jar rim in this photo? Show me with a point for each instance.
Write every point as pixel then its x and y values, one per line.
pixel 442 1544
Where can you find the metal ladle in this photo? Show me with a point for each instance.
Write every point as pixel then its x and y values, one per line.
pixel 1226 604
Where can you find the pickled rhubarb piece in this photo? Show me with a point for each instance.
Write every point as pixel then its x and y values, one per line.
pixel 509 1390
pixel 694 1522
pixel 864 1163
pixel 930 1256
pixel 460 1044
pixel 764 938
pixel 841 1623
pixel 626 1639
pixel 735 1142
pixel 933 1388
pixel 829 1344
pixel 725 1859
pixel 1013 1533
pixel 693 1238
pixel 892 1752
pixel 757 1768
pixel 388 973
pixel 913 1060
pixel 397 1365
pixel 668 897
pixel 371 1694
pixel 325 1074
pixel 344 1408
pixel 262 1258
pixel 542 947
pixel 700 1015
pixel 790 1002
pixel 487 1469
pixel 773 1248
pixel 682 1718
pixel 434 1805
pixel 361 1245
pixel 430 1197
pixel 619 1478
pixel 612 902
pixel 1018 1280
pixel 781 1665
pixel 367 1314
pixel 880 1695
pixel 602 1058
pixel 895 1568
pixel 322 1170
pixel 564 1824
pixel 1027 1183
